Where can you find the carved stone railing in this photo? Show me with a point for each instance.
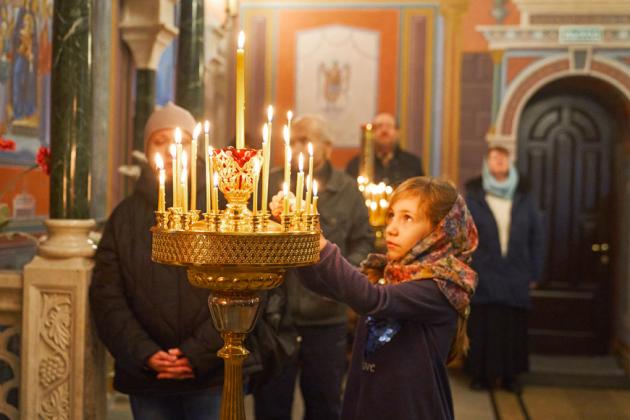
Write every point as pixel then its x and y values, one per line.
pixel 10 326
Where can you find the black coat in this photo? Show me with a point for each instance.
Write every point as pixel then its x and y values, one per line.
pixel 141 307
pixel 506 280
pixel 403 166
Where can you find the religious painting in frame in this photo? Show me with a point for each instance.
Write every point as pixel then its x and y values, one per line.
pixel 25 66
pixel 337 78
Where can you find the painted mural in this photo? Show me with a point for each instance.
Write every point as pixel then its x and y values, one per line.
pixel 337 77
pixel 25 64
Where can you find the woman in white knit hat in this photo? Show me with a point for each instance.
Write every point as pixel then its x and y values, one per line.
pixel 155 324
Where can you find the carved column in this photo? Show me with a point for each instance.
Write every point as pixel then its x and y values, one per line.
pixel 453 11
pixel 10 325
pixel 147 28
pixel 63 363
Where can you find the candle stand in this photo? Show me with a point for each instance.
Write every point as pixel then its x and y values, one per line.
pixel 237 255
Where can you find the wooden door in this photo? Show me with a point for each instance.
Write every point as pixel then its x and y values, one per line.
pixel 564 148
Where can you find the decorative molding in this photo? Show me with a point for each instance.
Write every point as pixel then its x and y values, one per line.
pixel 544 72
pixel 147 28
pixel 10 360
pixel 549 37
pixel 54 355
pixel 68 238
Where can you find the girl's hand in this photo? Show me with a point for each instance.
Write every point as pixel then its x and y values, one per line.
pixel 277 201
pixel 322 242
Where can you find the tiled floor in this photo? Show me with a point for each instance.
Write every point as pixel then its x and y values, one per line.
pixel 540 402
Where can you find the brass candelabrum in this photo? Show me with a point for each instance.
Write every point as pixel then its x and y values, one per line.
pixel 236 253
pixel 377 198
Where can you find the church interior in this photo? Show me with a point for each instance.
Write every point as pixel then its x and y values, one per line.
pixel 545 82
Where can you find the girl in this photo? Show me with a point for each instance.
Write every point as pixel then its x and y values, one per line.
pixel 413 303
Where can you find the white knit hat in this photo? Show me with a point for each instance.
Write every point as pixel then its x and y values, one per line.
pixel 169 116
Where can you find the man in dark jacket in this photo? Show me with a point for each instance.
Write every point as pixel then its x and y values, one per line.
pixel 509 261
pixel 392 165
pixel 154 323
pixel 321 322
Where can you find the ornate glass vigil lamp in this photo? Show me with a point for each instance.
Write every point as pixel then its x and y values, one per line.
pixel 236 253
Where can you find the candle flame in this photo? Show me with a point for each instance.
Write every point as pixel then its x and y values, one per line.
pixel 285 133
pixel 162 177
pixel 159 162
pixel 265 132
pixel 314 188
pixel 301 162
pixel 215 178
pixel 196 131
pixel 289 155
pixel 368 127
pixel 269 113
pixel 241 40
pixel 256 166
pixel 210 151
pixel 310 149
pixel 206 126
pixel 173 150
pixel 285 189
pixel 178 135
pixel 289 116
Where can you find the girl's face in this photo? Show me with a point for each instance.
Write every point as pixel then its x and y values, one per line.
pixel 406 226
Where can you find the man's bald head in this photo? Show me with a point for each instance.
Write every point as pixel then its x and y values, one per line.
pixel 311 129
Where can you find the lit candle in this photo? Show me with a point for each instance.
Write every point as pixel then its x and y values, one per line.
pixel 309 179
pixel 173 151
pixel 269 116
pixel 193 167
pixel 240 92
pixel 285 193
pixel 256 176
pixel 287 155
pixel 178 154
pixel 184 187
pixel 208 156
pixel 215 193
pixel 162 179
pixel 266 163
pixel 299 188
pixel 315 198
pixel 289 119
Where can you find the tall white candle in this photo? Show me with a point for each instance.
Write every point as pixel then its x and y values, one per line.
pixel 193 167
pixel 240 92
pixel 208 160
pixel 266 163
pixel 299 187
pixel 285 193
pixel 175 180
pixel 309 179
pixel 287 155
pixel 178 144
pixel 315 198
pixel 215 192
pixel 159 163
pixel 256 175
pixel 184 185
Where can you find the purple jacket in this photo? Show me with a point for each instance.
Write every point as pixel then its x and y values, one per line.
pixel 406 378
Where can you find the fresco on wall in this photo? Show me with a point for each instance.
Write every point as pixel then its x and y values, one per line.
pixel 25 64
pixel 337 77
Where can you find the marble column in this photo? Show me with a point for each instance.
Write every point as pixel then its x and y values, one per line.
pixel 190 58
pixel 453 11
pixel 145 103
pixel 71 110
pixel 147 28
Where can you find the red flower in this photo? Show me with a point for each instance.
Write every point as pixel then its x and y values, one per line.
pixel 43 159
pixel 7 145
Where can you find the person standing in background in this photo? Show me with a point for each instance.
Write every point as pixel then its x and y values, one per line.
pixel 509 261
pixel 392 165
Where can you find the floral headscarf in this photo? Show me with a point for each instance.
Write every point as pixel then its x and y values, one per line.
pixel 442 256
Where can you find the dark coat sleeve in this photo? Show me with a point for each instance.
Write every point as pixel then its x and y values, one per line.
pixel 352 168
pixel 201 349
pixel 116 323
pixel 334 277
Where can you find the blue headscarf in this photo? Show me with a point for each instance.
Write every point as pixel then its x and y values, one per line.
pixel 504 189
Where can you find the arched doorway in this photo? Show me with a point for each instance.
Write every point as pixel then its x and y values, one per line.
pixel 568 135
